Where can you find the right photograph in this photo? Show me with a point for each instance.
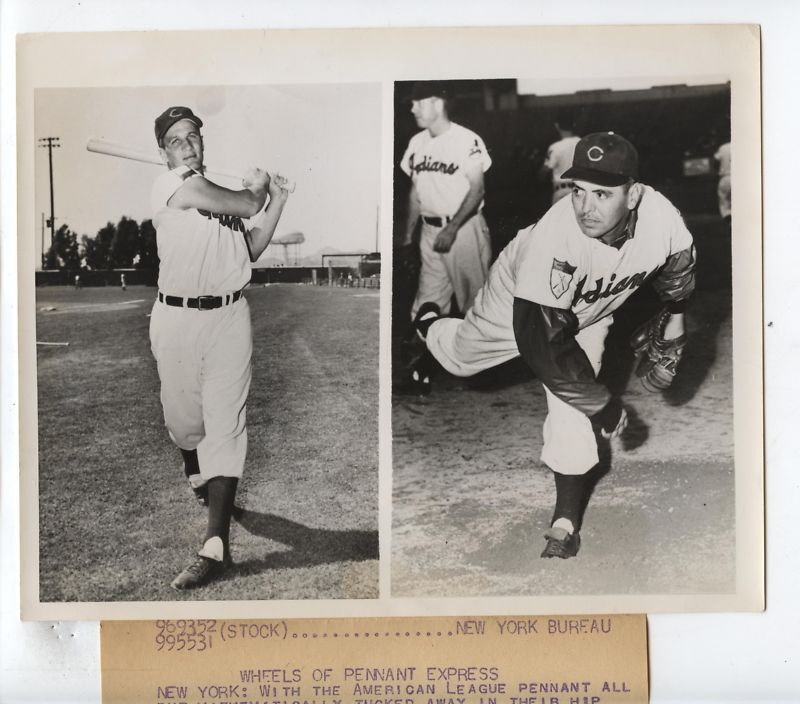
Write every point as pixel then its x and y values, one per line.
pixel 562 339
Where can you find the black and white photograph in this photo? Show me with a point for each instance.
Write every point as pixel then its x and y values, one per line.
pixel 483 340
pixel 461 401
pixel 562 337
pixel 207 306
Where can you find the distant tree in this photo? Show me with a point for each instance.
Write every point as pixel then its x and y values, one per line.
pixel 124 244
pixel 148 249
pixel 64 252
pixel 98 248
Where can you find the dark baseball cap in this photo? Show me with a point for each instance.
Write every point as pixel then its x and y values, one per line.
pixel 172 115
pixel 429 89
pixel 604 158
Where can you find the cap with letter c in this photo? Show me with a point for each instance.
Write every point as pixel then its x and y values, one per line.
pixel 172 115
pixel 604 158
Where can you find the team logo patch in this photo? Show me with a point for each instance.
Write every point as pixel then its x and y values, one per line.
pixel 475 150
pixel 595 153
pixel 561 277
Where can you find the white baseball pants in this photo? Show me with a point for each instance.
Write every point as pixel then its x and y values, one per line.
pixel 204 363
pixel 485 338
pixel 461 271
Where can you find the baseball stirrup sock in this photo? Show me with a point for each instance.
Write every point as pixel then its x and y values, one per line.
pixel 570 490
pixel 425 322
pixel 221 498
pixel 425 365
pixel 191 465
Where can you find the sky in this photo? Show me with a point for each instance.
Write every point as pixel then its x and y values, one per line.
pixel 326 138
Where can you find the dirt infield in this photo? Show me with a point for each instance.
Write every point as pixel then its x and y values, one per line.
pixel 472 499
pixel 117 520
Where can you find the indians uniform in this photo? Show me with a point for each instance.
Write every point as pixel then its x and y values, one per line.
pixel 436 165
pixel 723 157
pixel 558 160
pixel 554 265
pixel 550 298
pixel 203 356
pixel 200 325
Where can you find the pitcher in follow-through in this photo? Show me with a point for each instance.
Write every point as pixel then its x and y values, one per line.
pixel 200 325
pixel 550 298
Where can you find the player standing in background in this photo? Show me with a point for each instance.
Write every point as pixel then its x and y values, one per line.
pixel 550 298
pixel 446 163
pixel 559 157
pixel 200 326
pixel 723 159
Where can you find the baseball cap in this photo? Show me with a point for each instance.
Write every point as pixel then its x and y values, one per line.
pixel 429 89
pixel 604 158
pixel 172 115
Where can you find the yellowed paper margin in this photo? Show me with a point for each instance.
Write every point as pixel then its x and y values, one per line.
pixel 513 660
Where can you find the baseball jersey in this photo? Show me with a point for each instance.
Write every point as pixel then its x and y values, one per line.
pixel 723 156
pixel 436 165
pixel 202 253
pixel 556 265
pixel 559 157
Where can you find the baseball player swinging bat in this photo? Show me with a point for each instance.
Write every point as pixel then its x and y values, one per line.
pixel 123 151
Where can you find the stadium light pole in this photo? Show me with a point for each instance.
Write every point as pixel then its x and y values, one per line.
pixel 51 143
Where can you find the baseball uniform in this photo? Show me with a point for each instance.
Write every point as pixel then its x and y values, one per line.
pixel 436 165
pixel 723 156
pixel 575 283
pixel 203 356
pixel 558 160
pixel 200 326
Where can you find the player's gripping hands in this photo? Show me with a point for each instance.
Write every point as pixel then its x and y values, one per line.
pixel 261 228
pixel 278 187
pixel 256 179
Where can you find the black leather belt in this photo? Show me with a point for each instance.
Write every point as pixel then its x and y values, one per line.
pixel 435 220
pixel 201 302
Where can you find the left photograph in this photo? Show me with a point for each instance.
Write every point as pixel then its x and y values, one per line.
pixel 207 333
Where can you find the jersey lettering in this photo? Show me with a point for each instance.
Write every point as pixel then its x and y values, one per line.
pixel 233 222
pixel 428 164
pixel 612 288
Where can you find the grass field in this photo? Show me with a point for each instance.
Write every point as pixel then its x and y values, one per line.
pixel 117 520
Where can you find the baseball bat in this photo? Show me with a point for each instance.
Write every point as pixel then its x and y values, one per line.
pixel 123 151
pixel 103 146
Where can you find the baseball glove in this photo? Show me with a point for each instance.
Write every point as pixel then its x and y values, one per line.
pixel 656 358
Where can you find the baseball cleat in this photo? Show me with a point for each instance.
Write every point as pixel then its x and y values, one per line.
pixel 561 543
pixel 202 571
pixel 414 385
pixel 427 314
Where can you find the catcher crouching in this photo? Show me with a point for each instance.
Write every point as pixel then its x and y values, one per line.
pixel 550 297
